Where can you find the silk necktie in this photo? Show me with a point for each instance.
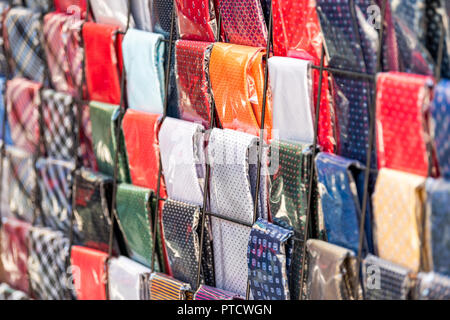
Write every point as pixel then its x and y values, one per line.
pixel 140 10
pixel 210 293
pixel 269 252
pixel 192 61
pixel 7 138
pixel 112 12
pixel 196 20
pixel 124 278
pixel 106 122
pixel 239 98
pixel 9 294
pixel 182 158
pixel 399 219
pixel 143 54
pixel 86 148
pixel 66 6
pixel 163 287
pixel 161 16
pixel 89 273
pixel 433 286
pixel 41 6
pixel 4 8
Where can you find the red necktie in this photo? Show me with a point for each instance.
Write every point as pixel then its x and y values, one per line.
pixel 195 21
pixel 70 6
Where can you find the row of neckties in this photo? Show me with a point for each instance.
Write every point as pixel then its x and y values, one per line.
pixel 411 145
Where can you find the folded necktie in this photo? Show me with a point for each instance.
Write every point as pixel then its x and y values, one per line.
pixel 22 104
pixel 140 10
pixel 4 7
pixel 23 31
pixel 136 220
pixel 86 148
pixel 341 187
pixel 399 219
pixel 112 12
pixel 102 50
pixel 332 271
pixel 237 80
pixel 243 22
pixel 7 137
pixel 210 293
pixel 440 112
pixel 269 252
pixel 105 119
pixel 89 273
pixel 161 11
pixel 143 54
pixel 384 280
pixel 48 254
pixel 9 294
pixel 432 286
pixel 68 6
pixel 182 156
pixel 42 6
pixel 402 137
pixel 124 276
pixel 290 80
pixel 438 197
pixel 14 253
pixel 196 20
pixel 163 287
pixel 192 60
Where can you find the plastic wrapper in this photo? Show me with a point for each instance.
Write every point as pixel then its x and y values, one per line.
pixel 71 6
pixel 103 62
pixel 341 188
pixel 438 211
pixel 181 226
pixel 41 6
pixel 181 145
pixel 163 287
pixel 384 280
pixel 269 260
pixel 143 54
pixel 161 11
pixel 124 277
pixel 136 220
pixel 14 253
pixel 22 105
pixel 196 20
pixel 400 223
pixel 89 269
pixel 192 59
pixel 7 138
pixel 331 273
pixel 140 9
pixel 210 293
pixel 22 33
pixel 4 7
pixel 237 80
pixel 47 269
pixel 86 148
pixel 403 101
pixel 9 294
pixel 432 286
pixel 440 126
pixel 112 13
pixel 105 118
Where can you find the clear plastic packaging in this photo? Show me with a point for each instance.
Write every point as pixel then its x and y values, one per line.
pixel 210 293
pixel 163 287
pixel 7 138
pixel 196 20
pixel 41 6
pixel 161 12
pixel 113 13
pixel 432 286
pixel 140 10
pixel 86 149
pixel 71 7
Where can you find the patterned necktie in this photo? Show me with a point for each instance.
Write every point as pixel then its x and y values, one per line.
pixel 401 101
pixel 124 278
pixel 140 9
pixel 22 101
pixel 143 54
pixel 196 20
pixel 433 286
pixel 243 22
pixel 440 112
pixel 4 7
pixel 161 16
pixel 398 204
pixel 23 31
pixel 9 294
pixel 105 120
pixel 182 157
pixel 86 149
pixel 48 253
pixel 66 6
pixel 89 267
pixel 210 293
pixel 269 251
pixel 163 287
pixel 7 138
pixel 192 60
pixel 239 98
pixel 384 280
pixel 438 196
pixel 41 6
pixel 112 12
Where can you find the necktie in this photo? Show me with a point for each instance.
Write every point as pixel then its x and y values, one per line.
pixel 9 294
pixel 48 253
pixel 163 287
pixel 143 54
pixel 399 219
pixel 7 138
pixel 102 69
pixel 41 6
pixel 440 112
pixel 66 6
pixel 161 16
pixel 112 12
pixel 341 185
pixel 292 99
pixel 22 101
pixel 14 253
pixel 196 20
pixel 269 250
pixel 438 195
pixel 124 278
pixel 433 286
pixel 135 218
pixel 105 120
pixel 89 273
pixel 140 10
pixel 210 293
pixel 332 270
pixel 86 148
pixel 401 101
pixel 4 7
pixel 22 32
pixel 183 163
pixel 192 61
pixel 237 80
pixel 243 22
pixel 384 280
